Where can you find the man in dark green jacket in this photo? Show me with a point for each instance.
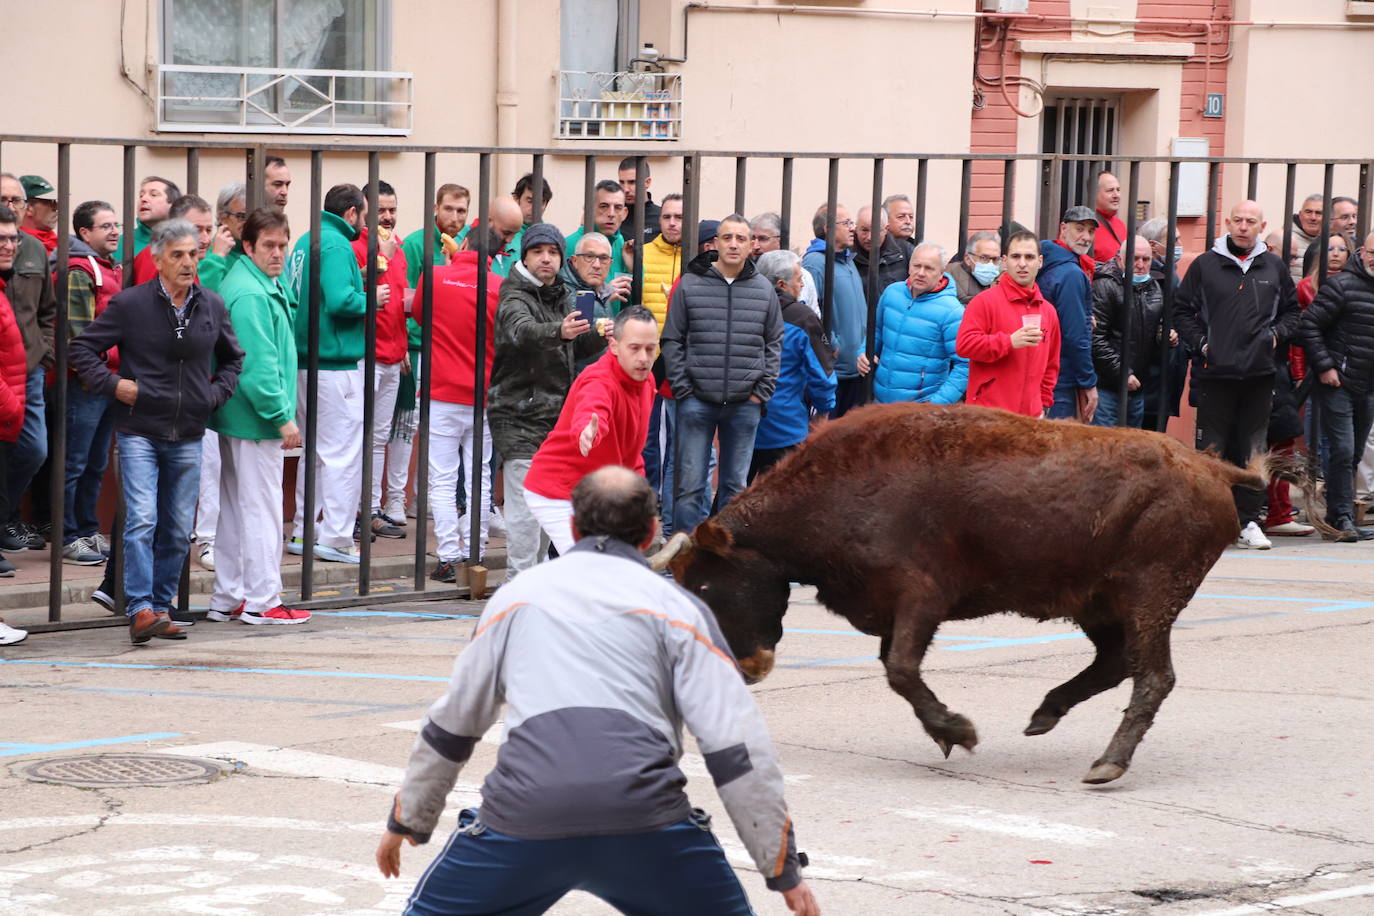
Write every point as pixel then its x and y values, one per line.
pixel 255 425
pixel 339 414
pixel 450 219
pixel 539 337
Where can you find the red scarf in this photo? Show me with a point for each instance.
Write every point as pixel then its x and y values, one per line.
pixel 47 236
pixel 1084 261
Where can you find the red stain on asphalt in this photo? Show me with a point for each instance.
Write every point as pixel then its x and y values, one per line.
pixel 1041 862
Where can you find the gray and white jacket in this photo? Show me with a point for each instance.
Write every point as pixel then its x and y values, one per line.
pixel 597 681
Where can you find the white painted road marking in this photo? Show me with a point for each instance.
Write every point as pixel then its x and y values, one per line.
pixel 1019 825
pixel 1285 903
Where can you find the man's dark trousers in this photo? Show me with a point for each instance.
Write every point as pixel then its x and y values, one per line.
pixel 1233 417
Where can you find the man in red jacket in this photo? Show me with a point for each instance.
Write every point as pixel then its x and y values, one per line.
pixel 604 421
pixel 1010 337
pixel 392 359
pixel 452 433
pixel 13 385
pixel 1111 231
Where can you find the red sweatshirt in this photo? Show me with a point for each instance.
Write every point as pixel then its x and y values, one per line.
pixel 13 372
pixel 622 407
pixel 454 358
pixel 1021 380
pixel 391 318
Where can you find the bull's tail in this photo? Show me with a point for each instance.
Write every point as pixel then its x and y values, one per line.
pixel 1295 469
pixel 1254 476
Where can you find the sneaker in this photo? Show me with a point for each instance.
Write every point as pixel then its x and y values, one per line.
pixel 1251 537
pixel 102 544
pixel 32 536
pixel 205 556
pixel 12 537
pixel 395 513
pixel 44 531
pixel 6 568
pixel 104 599
pixel 446 571
pixel 295 546
pixel 10 635
pixel 82 552
pixel 384 527
pixel 277 615
pixel 358 532
pixel 1289 528
pixel 225 616
pixel 350 554
pixel 497 526
pixel 178 619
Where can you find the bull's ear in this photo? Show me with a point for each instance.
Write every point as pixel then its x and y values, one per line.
pixel 712 536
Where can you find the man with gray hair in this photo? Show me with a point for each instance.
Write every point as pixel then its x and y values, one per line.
pixel 231 210
pixel 893 253
pixel 1306 227
pixel 901 219
pixel 587 271
pixel 178 363
pixel 980 266
pixel 765 231
pixel 1128 269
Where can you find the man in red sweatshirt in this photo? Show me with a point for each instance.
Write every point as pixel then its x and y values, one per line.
pixel 452 432
pixel 1010 337
pixel 604 421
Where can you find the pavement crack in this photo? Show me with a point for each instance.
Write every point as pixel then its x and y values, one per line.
pixel 112 807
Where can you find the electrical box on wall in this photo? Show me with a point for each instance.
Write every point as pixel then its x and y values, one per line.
pixel 1192 176
pixel 1004 6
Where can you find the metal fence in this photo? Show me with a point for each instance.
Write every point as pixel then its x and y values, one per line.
pixel 1051 170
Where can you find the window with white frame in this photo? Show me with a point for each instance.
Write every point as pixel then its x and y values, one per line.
pixel 281 66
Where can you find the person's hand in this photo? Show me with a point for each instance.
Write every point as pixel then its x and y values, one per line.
pixel 1331 377
pixel 223 241
pixel 800 900
pixel 864 365
pixel 627 254
pixel 574 325
pixel 383 295
pixel 126 391
pixel 1087 404
pixel 1173 337
pixel 386 244
pixel 588 437
pixel 290 435
pixel 405 364
pixel 621 287
pixel 1026 337
pixel 389 853
pixel 755 399
pixel 1132 383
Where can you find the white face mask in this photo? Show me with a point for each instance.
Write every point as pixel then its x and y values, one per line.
pixel 986 274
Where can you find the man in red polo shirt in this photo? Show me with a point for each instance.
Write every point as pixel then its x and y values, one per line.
pixel 604 421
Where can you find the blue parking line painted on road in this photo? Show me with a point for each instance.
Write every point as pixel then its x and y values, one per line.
pixel 288 672
pixel 16 749
pixel 822 662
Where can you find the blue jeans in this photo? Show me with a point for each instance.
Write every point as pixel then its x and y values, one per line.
pixel 677 869
pixel 1108 411
pixel 658 458
pixel 1065 403
pixel 160 481
pixel 698 423
pixel 90 421
pixel 1346 418
pixel 28 454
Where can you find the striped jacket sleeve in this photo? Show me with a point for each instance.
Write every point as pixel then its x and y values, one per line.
pixel 728 725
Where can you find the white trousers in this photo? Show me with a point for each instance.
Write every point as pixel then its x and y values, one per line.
pixel 248 546
pixel 399 449
pixel 555 517
pixel 386 383
pixel 338 458
pixel 207 504
pixel 526 542
pixel 1364 472
pixel 451 444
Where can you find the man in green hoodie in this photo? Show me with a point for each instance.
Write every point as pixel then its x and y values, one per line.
pixel 339 414
pixel 255 426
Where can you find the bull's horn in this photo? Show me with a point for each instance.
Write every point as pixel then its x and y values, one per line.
pixel 676 544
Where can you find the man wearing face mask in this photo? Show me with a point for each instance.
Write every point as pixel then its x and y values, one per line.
pixel 979 268
pixel 1110 323
pixel 1064 281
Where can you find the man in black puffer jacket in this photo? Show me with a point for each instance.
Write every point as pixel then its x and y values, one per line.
pixel 1338 335
pixel 1109 323
pixel 722 348
pixel 1235 307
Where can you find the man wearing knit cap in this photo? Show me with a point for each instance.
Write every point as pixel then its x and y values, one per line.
pixel 539 337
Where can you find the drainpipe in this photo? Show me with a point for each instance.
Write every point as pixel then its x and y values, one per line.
pixel 507 96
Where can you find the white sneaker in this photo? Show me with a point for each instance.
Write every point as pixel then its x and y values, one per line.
pixel 350 554
pixel 1290 528
pixel 1253 538
pixel 206 556
pixel 396 511
pixel 9 635
pixel 497 525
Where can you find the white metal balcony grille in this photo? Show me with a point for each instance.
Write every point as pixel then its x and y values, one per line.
pixel 274 100
pixel 619 106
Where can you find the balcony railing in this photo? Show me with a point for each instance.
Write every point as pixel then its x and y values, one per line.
pixel 619 106
pixel 272 100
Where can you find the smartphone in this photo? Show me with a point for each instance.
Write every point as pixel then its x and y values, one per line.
pixel 586 305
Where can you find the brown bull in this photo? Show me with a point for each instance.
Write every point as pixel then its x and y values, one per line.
pixel 905 516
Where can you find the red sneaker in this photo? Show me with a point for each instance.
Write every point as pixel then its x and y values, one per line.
pixel 225 616
pixel 277 615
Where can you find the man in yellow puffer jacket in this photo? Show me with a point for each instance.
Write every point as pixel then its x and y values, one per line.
pixel 663 259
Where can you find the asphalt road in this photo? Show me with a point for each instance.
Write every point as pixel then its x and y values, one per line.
pixel 1252 793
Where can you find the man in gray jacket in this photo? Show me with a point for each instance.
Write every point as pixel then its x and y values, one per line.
pixel 722 349
pixel 586 792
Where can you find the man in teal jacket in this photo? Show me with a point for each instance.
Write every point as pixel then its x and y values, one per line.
pixel 255 426
pixel 339 413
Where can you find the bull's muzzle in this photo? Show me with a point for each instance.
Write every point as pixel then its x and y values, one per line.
pixel 756 667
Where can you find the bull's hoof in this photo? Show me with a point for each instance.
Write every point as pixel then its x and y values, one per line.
pixel 1041 723
pixel 1104 772
pixel 954 731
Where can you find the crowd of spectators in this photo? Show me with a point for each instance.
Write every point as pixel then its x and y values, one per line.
pixel 195 365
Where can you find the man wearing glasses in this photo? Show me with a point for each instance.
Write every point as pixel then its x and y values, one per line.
pixel 980 266
pixel 848 305
pixel 766 235
pixel 586 272
pixel 231 209
pixel 28 285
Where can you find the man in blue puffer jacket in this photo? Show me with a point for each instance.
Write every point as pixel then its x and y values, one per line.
pixel 916 325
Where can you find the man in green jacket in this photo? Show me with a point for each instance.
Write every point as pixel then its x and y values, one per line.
pixel 451 203
pixel 339 413
pixel 255 426
pixel 226 246
pixel 155 196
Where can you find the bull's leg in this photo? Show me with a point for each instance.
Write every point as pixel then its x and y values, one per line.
pixel 1153 673
pixel 901 654
pixel 1107 669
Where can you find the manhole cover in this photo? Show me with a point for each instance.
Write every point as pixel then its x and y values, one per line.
pixel 123 770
